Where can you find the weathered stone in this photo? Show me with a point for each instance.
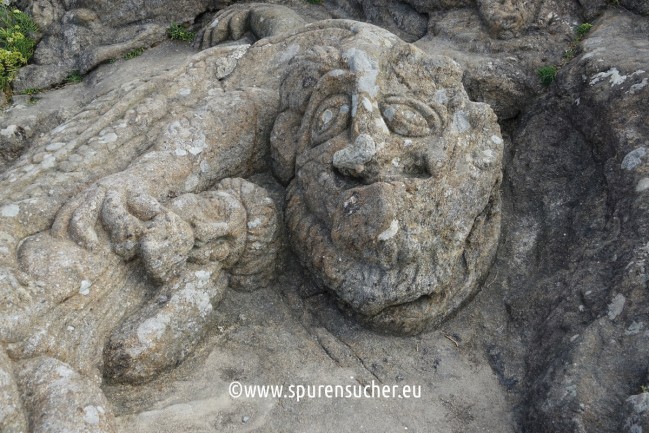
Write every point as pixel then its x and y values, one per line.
pixel 637 407
pixel 78 36
pixel 12 416
pixel 356 119
pixel 123 221
pixel 370 156
pixel 586 139
pixel 61 400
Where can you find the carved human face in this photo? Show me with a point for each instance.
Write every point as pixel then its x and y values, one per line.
pixel 507 18
pixel 395 178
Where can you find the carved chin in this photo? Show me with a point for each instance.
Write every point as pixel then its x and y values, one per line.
pixel 380 273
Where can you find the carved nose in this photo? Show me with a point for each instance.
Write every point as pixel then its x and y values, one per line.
pixel 352 160
pixel 360 158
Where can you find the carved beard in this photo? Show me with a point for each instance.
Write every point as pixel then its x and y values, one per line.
pixel 394 203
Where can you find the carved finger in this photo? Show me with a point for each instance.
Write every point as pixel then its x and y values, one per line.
pixel 84 218
pixel 204 38
pixel 124 228
pixel 54 395
pixel 219 29
pixel 206 231
pixel 239 24
pixel 207 35
pixel 197 43
pixel 144 206
pixel 62 220
pixel 166 330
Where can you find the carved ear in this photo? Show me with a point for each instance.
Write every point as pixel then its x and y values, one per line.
pixel 283 145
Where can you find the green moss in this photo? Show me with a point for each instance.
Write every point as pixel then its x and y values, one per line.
pixel 10 63
pixel 30 91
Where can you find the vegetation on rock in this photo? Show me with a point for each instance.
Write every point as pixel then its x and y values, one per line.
pixel 137 52
pixel 582 30
pixel 179 33
pixel 16 43
pixel 74 77
pixel 547 74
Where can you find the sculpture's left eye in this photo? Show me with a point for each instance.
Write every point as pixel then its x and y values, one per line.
pixel 412 118
pixel 330 119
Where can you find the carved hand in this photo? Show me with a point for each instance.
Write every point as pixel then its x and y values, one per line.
pixel 262 20
pixel 120 202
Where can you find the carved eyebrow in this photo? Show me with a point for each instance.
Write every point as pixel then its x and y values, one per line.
pixel 430 109
pixel 406 80
pixel 331 83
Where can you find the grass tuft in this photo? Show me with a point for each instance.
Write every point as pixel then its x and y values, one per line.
pixel 134 53
pixel 177 32
pixel 547 74
pixel 582 30
pixel 74 77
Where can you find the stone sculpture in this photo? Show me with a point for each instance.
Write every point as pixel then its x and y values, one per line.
pixel 392 203
pixel 372 137
pixel 503 19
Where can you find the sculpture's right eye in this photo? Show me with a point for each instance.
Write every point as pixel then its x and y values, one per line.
pixel 330 119
pixel 410 117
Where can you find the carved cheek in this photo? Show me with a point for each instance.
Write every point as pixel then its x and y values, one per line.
pixel 283 145
pixel 365 219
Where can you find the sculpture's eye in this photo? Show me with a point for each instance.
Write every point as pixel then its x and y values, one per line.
pixel 330 119
pixel 412 118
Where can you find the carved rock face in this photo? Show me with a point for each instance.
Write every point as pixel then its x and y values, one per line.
pixel 507 18
pixel 394 205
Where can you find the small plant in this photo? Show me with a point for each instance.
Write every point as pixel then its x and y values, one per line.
pixel 179 33
pixel 582 30
pixel 314 2
pixel 10 62
pixel 547 74
pixel 644 388
pixel 16 44
pixel 569 54
pixel 133 53
pixel 74 77
pixel 31 91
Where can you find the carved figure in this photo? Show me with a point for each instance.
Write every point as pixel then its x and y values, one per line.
pixel 392 204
